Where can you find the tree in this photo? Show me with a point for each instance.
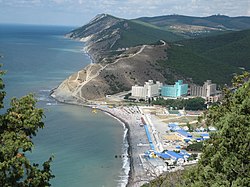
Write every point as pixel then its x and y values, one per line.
pixel 195 104
pixel 2 93
pixel 18 125
pixel 197 146
pixel 226 155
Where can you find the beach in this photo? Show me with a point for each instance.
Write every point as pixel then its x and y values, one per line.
pixel 137 140
pixel 137 143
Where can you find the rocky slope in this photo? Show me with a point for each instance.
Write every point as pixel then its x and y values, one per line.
pixel 97 80
pixel 128 52
pixel 114 69
pixel 99 34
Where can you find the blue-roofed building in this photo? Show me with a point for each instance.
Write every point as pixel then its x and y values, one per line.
pixel 184 134
pixel 175 157
pixel 177 90
pixel 163 156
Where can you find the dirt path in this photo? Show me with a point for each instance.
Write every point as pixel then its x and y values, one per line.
pixel 77 93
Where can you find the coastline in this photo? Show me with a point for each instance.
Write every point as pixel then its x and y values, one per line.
pixel 130 173
pixel 120 120
pixel 136 177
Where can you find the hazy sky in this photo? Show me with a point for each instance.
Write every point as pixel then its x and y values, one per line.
pixel 79 12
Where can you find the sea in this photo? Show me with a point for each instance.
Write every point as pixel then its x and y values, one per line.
pixel 84 144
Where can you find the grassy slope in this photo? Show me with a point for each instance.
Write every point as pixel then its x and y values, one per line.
pixel 238 23
pixel 139 33
pixel 215 58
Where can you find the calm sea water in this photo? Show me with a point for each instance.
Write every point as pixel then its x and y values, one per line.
pixel 37 59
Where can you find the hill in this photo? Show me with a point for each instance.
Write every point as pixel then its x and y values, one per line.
pixel 198 26
pixel 105 33
pixel 128 52
pixel 217 57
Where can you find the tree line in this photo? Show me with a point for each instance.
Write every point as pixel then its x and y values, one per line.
pixel 188 104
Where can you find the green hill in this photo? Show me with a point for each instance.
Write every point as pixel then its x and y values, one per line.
pixel 139 33
pixel 193 27
pixel 214 21
pixel 216 58
pixel 116 33
pixel 215 51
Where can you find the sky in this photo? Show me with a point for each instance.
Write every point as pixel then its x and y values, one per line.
pixel 79 12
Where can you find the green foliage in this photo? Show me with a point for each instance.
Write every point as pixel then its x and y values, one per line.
pixel 18 125
pixel 2 93
pixel 193 156
pixel 217 57
pixel 195 104
pixel 215 21
pixel 196 146
pixel 226 155
pixel 169 179
pixel 139 33
pixel 189 104
pixel 188 63
pixel 127 96
pixel 231 48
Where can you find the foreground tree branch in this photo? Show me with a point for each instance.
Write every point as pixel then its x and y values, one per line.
pixel 18 125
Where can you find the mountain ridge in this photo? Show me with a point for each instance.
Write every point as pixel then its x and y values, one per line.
pixel 127 52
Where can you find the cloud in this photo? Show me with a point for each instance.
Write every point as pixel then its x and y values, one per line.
pixel 86 9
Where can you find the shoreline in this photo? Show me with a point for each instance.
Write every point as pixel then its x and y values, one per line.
pixel 134 170
pixel 130 174
pixel 128 136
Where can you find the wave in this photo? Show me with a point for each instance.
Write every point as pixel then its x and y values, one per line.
pixel 51 104
pixel 124 176
pixel 44 96
pixel 45 90
pixel 67 50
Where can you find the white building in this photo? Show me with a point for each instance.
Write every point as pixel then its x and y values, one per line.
pixel 149 90
pixel 208 89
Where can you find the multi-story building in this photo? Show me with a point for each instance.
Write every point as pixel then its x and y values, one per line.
pixel 177 90
pixel 149 90
pixel 208 89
